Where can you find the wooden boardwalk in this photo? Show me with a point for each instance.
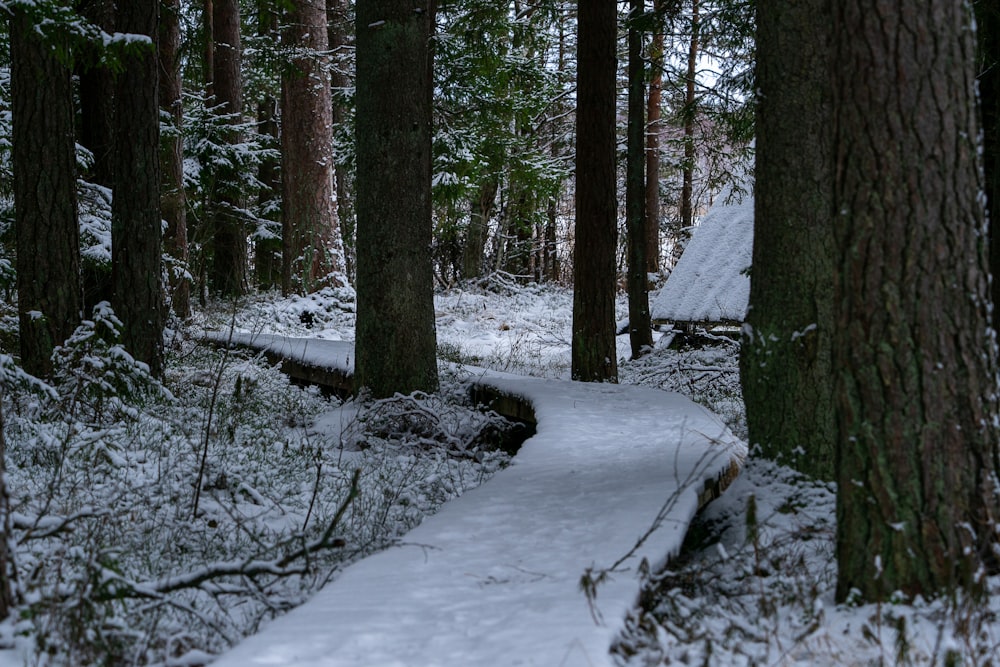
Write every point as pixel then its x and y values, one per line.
pixel 494 577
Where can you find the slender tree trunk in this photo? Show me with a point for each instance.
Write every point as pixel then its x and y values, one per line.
pixel 476 233
pixel 96 91
pixel 654 113
pixel 311 252
pixel 690 115
pixel 341 84
pixel 915 362
pixel 551 242
pixel 785 358
pixel 267 244
pixel 517 234
pixel 396 339
pixel 49 296
pixel 208 51
pixel 229 242
pixel 8 569
pixel 173 200
pixel 639 329
pixel 136 272
pixel 594 356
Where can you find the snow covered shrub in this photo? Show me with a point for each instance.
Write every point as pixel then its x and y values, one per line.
pixel 98 380
pixel 708 375
pixel 430 421
pixel 754 585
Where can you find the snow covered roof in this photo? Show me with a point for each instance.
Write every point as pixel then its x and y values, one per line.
pixel 710 282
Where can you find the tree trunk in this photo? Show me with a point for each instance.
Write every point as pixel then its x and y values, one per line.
pixel 396 340
pixel 96 90
pixel 173 201
pixel 785 359
pixel 517 233
pixel 594 357
pixel 267 249
pixel 988 27
pixel 8 570
pixel 311 254
pixel 690 114
pixel 340 85
pixel 653 128
pixel 639 329
pixel 916 393
pixel 49 295
pixel 136 272
pixel 552 267
pixel 476 232
pixel 229 242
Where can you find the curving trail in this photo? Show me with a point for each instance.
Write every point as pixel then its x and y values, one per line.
pixel 493 579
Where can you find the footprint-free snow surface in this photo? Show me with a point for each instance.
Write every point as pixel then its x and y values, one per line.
pixel 493 579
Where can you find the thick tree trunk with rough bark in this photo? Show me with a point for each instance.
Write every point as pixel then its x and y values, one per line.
pixel 396 339
pixel 988 29
pixel 785 359
pixel 594 356
pixel 45 210
pixel 311 253
pixel 229 239
pixel 915 363
pixel 639 330
pixel 136 272
pixel 173 201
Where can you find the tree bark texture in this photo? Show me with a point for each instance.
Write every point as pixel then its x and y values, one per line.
pixel 136 272
pixel 988 28
pixel 396 339
pixel 311 252
pixel 915 364
pixel 640 327
pixel 173 201
pixel 785 359
pixel 229 240
pixel 49 294
pixel 594 356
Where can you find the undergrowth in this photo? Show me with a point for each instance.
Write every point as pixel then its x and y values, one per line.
pixel 148 534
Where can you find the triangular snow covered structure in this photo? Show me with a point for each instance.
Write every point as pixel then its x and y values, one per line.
pixel 710 284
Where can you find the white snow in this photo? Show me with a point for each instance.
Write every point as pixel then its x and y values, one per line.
pixel 494 577
pixel 710 282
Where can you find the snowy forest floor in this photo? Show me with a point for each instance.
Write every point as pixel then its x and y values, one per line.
pixel 122 561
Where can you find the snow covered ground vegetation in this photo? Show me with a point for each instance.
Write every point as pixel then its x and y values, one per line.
pixel 159 524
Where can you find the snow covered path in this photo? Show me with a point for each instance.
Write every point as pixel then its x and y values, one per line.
pixel 493 578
